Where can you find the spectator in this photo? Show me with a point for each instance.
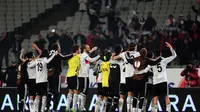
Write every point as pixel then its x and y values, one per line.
pixel 197 12
pixel 82 6
pixel 185 54
pixel 124 39
pixel 96 5
pixel 10 75
pixel 94 19
pixel 112 40
pixel 181 22
pixel 16 48
pixel 188 24
pixel 190 73
pixel 40 42
pixel 66 42
pixel 171 22
pixel 79 38
pixel 90 38
pixel 112 5
pixel 134 22
pixel 5 44
pixel 150 22
pixel 101 42
pixel 52 37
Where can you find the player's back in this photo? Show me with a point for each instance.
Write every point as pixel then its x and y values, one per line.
pixel 41 70
pixel 115 73
pixel 74 65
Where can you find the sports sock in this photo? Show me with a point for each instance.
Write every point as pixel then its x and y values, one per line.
pixel 48 101
pixel 121 104
pixel 69 100
pixel 108 104
pixel 31 105
pixel 79 101
pixel 36 104
pixel 97 104
pixel 83 100
pixel 55 101
pixel 129 102
pixel 44 103
pixel 168 108
pixel 75 101
pixel 154 108
pixel 114 104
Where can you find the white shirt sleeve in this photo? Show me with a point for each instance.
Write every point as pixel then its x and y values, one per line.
pixel 49 59
pixel 122 55
pixel 92 59
pixel 144 70
pixel 169 59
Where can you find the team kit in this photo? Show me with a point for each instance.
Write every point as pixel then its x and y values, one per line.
pixel 125 78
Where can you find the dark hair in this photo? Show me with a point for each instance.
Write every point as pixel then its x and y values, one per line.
pixel 45 53
pixel 55 46
pixel 143 52
pixel 28 55
pixel 150 54
pixel 75 48
pixel 118 49
pixel 131 46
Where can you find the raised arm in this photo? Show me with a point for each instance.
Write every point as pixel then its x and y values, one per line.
pixel 174 55
pixel 143 71
pixel 21 56
pixel 93 49
pixel 66 57
pixel 50 58
pixel 37 48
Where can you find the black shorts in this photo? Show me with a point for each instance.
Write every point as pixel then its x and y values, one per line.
pixel 99 89
pixel 41 88
pixel 160 89
pixel 130 83
pixel 32 87
pixel 54 82
pixel 114 89
pixel 149 89
pixel 83 84
pixel 105 91
pixel 123 89
pixel 72 82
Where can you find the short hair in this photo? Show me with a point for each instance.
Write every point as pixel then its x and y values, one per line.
pixel 55 46
pixel 28 55
pixel 75 48
pixel 45 53
pixel 118 49
pixel 107 56
pixel 143 52
pixel 132 46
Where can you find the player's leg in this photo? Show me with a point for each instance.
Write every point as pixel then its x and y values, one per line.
pixel 116 90
pixel 99 98
pixel 21 91
pixel 32 93
pixel 122 97
pixel 49 93
pixel 43 96
pixel 70 92
pixel 167 100
pixel 75 96
pixel 84 93
pixel 155 104
pixel 130 95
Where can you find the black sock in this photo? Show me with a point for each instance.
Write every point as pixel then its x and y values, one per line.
pixel 114 105
pixel 55 100
pixel 109 103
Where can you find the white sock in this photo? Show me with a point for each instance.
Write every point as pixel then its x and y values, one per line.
pixel 36 104
pixel 44 103
pixel 75 101
pixel 154 108
pixel 133 110
pixel 168 108
pixel 98 104
pixel 129 102
pixel 79 101
pixel 121 104
pixel 139 110
pixel 103 107
pixel 69 100
pixel 83 100
pixel 31 105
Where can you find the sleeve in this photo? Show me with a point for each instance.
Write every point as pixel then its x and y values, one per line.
pixel 183 73
pixel 194 74
pixel 50 58
pixel 143 71
pixel 194 10
pixel 31 64
pixel 122 55
pixel 92 59
pixel 66 57
pixel 153 61
pixel 169 59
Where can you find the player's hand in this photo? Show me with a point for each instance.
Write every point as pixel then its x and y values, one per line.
pixel 95 48
pixel 22 50
pixel 168 45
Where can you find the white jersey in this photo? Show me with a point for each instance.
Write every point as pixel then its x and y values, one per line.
pixel 159 71
pixel 85 61
pixel 129 69
pixel 41 68
pixel 97 68
pixel 122 70
pixel 31 72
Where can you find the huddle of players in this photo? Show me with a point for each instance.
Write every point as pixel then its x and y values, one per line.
pixel 117 74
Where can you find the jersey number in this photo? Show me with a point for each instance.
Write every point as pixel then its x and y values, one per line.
pixel 40 66
pixel 159 68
